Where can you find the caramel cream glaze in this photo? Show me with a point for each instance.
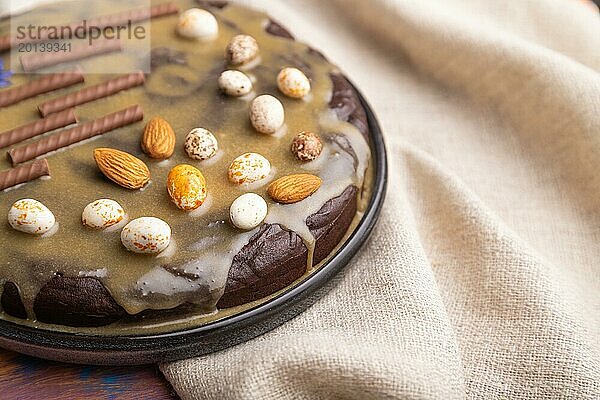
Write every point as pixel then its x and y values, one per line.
pixel 204 241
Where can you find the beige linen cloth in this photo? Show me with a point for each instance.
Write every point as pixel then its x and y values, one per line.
pixel 482 278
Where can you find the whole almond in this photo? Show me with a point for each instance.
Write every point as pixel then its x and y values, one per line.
pixel 158 140
pixel 293 188
pixel 122 168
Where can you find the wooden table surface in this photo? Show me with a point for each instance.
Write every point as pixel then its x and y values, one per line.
pixel 28 378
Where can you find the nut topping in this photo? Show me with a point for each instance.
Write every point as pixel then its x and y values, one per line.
pixel 158 140
pixel 293 188
pixel 122 168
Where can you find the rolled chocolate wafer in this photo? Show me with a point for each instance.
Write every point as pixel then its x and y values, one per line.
pixel 133 16
pixel 24 173
pixel 92 93
pixel 78 52
pixel 53 121
pixel 5 42
pixel 114 20
pixel 39 86
pixel 77 134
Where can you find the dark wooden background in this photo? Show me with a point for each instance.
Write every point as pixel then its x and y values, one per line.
pixel 28 378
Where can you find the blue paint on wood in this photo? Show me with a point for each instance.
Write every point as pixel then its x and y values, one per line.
pixel 86 373
pixel 28 365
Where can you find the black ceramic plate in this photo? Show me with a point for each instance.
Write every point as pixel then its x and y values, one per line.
pixel 218 335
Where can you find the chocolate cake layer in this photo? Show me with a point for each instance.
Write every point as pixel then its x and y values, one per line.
pixel 346 104
pixel 276 257
pixel 276 29
pixel 212 3
pixel 76 301
pixel 331 223
pixel 272 259
pixel 11 301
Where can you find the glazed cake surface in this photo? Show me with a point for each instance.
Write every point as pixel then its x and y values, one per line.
pixel 78 277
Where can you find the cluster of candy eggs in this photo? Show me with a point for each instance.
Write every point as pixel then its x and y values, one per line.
pixel 146 235
pixel 185 183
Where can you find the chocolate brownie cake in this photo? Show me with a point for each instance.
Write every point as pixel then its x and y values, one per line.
pixel 227 172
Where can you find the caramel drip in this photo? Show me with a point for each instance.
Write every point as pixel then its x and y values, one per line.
pixel 123 18
pixel 24 173
pixel 43 60
pixel 39 86
pixel 77 134
pixel 54 121
pixel 92 93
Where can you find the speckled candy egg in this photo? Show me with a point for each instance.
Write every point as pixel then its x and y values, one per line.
pixel 30 216
pixel 234 83
pixel 248 168
pixel 248 211
pixel 146 235
pixel 242 49
pixel 307 146
pixel 102 214
pixel 293 83
pixel 267 114
pixel 187 187
pixel 196 23
pixel 201 144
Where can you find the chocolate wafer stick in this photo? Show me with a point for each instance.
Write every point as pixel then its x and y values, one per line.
pixel 24 173
pixel 114 20
pixel 52 122
pixel 39 86
pixel 78 52
pixel 77 134
pixel 92 93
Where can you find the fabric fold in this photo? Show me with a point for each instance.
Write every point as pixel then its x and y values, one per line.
pixel 481 279
pixel 492 282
